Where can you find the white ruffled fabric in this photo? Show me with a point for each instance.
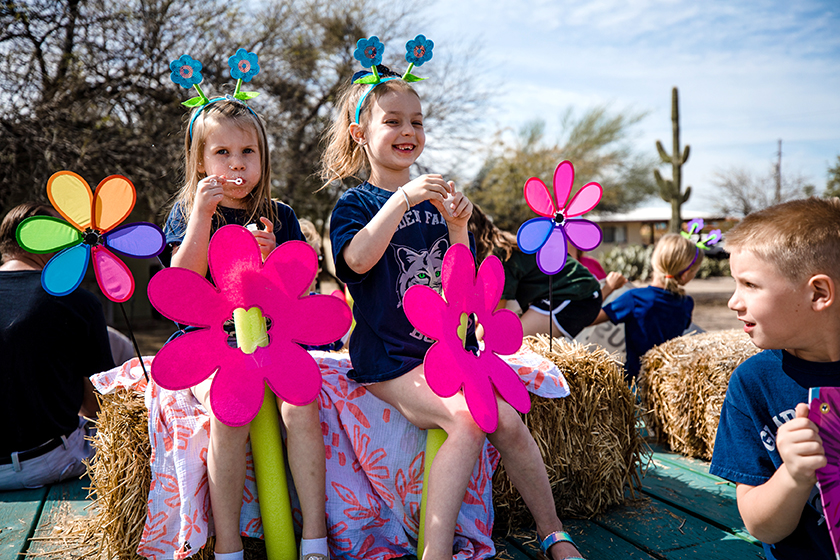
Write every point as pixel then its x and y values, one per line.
pixel 374 467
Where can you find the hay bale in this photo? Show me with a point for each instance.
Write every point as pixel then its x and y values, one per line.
pixel 120 475
pixel 588 440
pixel 683 383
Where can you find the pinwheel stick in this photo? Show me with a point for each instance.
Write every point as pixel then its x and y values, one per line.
pixel 434 439
pixel 267 448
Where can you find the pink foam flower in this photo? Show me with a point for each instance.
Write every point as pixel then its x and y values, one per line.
pixel 279 288
pixel 451 364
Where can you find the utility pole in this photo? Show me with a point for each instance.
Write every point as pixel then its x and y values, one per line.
pixel 778 198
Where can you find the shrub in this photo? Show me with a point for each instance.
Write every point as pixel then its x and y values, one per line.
pixel 633 261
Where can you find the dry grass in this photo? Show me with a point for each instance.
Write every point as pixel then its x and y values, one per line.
pixel 588 440
pixel 683 383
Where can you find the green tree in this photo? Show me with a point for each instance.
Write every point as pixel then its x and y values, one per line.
pixel 84 86
pixel 596 143
pixel 832 185
pixel 741 191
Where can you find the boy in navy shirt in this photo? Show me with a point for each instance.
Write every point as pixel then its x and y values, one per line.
pixel 786 264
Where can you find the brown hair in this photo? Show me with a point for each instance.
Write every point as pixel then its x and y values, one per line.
pixel 672 257
pixel 488 237
pixel 800 238
pixel 225 113
pixel 343 157
pixel 9 247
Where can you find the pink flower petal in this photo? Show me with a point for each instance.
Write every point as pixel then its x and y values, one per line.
pixel 191 358
pixel 426 310
pixel 584 200
pixel 188 298
pixel 237 390
pixel 538 198
pixel 296 263
pixel 490 282
pixel 112 275
pixel 458 277
pixel 293 374
pixel 564 178
pixel 440 368
pixel 502 332
pixel 234 258
pixel 481 400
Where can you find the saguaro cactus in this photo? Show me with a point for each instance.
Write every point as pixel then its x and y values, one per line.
pixel 670 190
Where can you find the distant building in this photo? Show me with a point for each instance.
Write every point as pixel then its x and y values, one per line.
pixel 644 226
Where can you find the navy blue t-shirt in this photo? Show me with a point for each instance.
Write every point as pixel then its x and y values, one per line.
pixel 762 395
pixel 286 226
pixel 47 345
pixel 651 316
pixel 384 344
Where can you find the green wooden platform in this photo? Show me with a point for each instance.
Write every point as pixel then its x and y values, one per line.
pixel 684 513
pixel 27 515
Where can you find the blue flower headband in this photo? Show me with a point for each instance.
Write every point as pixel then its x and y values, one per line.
pixel 186 72
pixel 705 243
pixel 369 52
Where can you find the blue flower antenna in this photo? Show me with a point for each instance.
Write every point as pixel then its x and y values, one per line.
pixel 369 53
pixel 186 72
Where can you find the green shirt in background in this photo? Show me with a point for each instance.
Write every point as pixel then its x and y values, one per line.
pixel 526 283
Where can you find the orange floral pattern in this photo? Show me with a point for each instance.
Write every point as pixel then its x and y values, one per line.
pixel 374 468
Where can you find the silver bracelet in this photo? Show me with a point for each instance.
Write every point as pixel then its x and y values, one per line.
pixel 407 202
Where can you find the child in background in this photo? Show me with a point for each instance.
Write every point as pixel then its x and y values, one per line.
pixel 389 233
pixel 575 293
pixel 228 181
pixel 314 239
pixel 786 264
pixel 661 311
pixel 592 265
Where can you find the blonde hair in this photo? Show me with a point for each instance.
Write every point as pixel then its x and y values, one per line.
pixel 800 238
pixel 310 233
pixel 225 113
pixel 673 256
pixel 488 237
pixel 344 157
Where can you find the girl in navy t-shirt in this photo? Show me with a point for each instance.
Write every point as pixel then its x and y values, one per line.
pixel 390 233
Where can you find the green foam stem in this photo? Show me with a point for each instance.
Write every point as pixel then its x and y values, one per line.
pixel 267 449
pixel 434 439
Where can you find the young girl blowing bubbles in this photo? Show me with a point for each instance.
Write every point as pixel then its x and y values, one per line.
pixel 661 311
pixel 389 233
pixel 228 181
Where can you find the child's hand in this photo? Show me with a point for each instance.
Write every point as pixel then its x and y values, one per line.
pixel 208 194
pixel 800 447
pixel 265 237
pixel 430 187
pixel 457 208
pixel 615 280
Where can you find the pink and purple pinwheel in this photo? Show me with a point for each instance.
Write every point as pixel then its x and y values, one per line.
pixel 450 365
pixel 90 230
pixel 824 411
pixel 548 234
pixel 279 288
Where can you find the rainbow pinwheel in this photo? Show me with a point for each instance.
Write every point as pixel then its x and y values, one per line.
pixel 547 235
pixel 278 289
pixel 90 231
pixel 451 363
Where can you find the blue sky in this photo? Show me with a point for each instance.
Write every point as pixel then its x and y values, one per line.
pixel 749 73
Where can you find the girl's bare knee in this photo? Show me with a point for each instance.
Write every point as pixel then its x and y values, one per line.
pixel 297 417
pixel 464 429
